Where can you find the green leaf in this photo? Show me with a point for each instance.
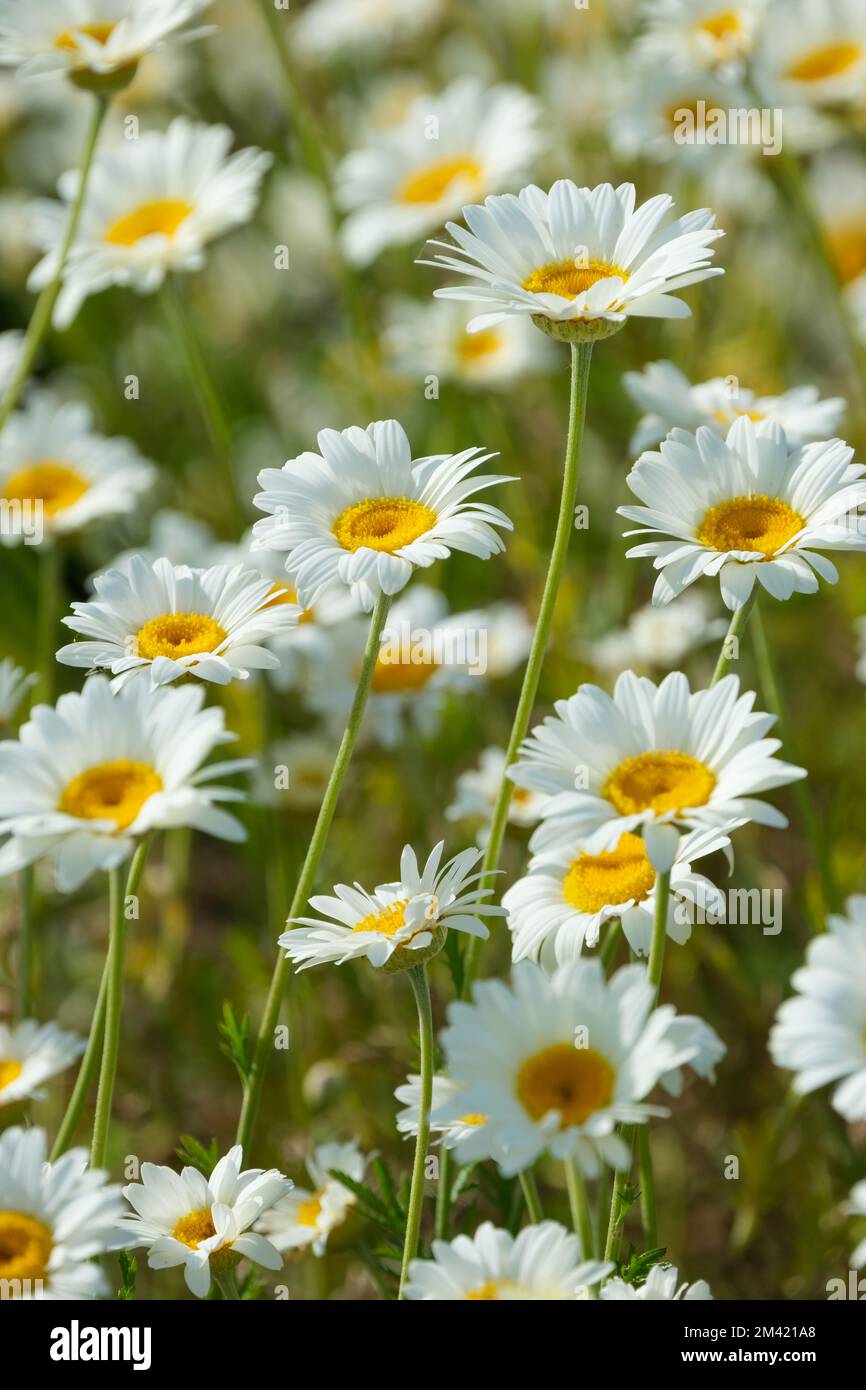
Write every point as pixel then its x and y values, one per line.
pixel 235 1035
pixel 195 1155
pixel 128 1271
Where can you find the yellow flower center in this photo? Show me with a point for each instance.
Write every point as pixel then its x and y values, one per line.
pixel 848 248
pixel 191 1230
pixel 53 484
pixel 575 1081
pixel 595 881
pixel 724 25
pixel 284 593
pixel 177 635
pixel 431 183
pixel 386 922
pixel 310 1211
pixel 25 1246
pixel 383 523
pixel 759 523
pixel 569 278
pixel 100 32
pixel 397 677
pixel 111 791
pixel 726 417
pixel 474 1119
pixel 163 216
pixel 473 347
pixel 831 60
pixel 490 1291
pixel 10 1070
pixel 697 107
pixel 659 781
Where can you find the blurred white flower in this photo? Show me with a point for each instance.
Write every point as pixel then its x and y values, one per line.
pixel 431 340
pixel 306 1217
pixel 14 684
pixel 476 791
pixel 540 1264
pixel 84 38
pixel 715 34
pixel 656 638
pixel 813 53
pixel 857 1207
pixel 293 773
pixel 661 1285
pixel 328 27
pixel 31 1053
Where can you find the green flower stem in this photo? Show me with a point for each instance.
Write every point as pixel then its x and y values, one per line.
pixel 313 148
pixel 40 319
pixel 731 641
pixel 204 388
pixel 578 1201
pixel 618 1204
pixel 581 356
pixel 443 1195
pixel 531 1197
pixel 113 998
pixel 47 613
pixel 86 1071
pixel 264 1041
pixel 647 1187
pixel 811 821
pixel 24 973
pixel 421 989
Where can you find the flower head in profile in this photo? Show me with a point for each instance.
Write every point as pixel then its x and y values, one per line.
pixel 748 508
pixel 670 401
pixel 58 475
pixel 541 1263
pixel 613 764
pixel 564 900
pixel 151 208
pixel 458 1131
pixel 453 149
pixel 164 621
pixel 580 261
pixel 203 1224
pixel 55 1218
pixel 89 776
pixel 661 1285
pixel 364 514
pixel 556 1062
pixel 306 1217
pixel 476 792
pixel 432 339
pixel 31 1053
pixel 14 684
pixel 399 924
pixel 820 1034
pixel 90 39
pixel 700 34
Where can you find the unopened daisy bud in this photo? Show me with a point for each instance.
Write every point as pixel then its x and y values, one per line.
pixel 661 842
pixel 399 925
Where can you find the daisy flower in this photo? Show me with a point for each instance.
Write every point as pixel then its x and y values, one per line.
pixel 661 112
pixel 556 1062
pixel 749 507
pixel 90 38
pixel 457 1131
pixel 656 637
pixel 152 206
pixel 306 1217
pixel 14 684
pixel 204 1224
pixel 89 776
pixel 813 53
pixel 328 27
pixel 363 514
pixel 541 1263
pixel 451 149
pixel 11 344
pixel 670 401
pixel 165 621
pixel 56 470
pixel 661 1285
pixel 687 34
pixel 821 1033
pixel 611 764
pixel 423 341
pixel 55 1218
pixel 476 792
pixel 563 902
pixel 857 1207
pixel 31 1053
pixel 580 261
pixel 400 924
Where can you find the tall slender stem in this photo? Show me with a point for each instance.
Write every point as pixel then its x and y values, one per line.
pixel 531 1197
pixel 264 1041
pixel 421 989
pixel 772 693
pixel 47 611
pixel 578 1201
pixel 40 319
pixel 581 356
pixel 24 973
pixel 647 1187
pixel 113 999
pixel 87 1070
pixel 312 145
pixel 731 642
pixel 206 393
